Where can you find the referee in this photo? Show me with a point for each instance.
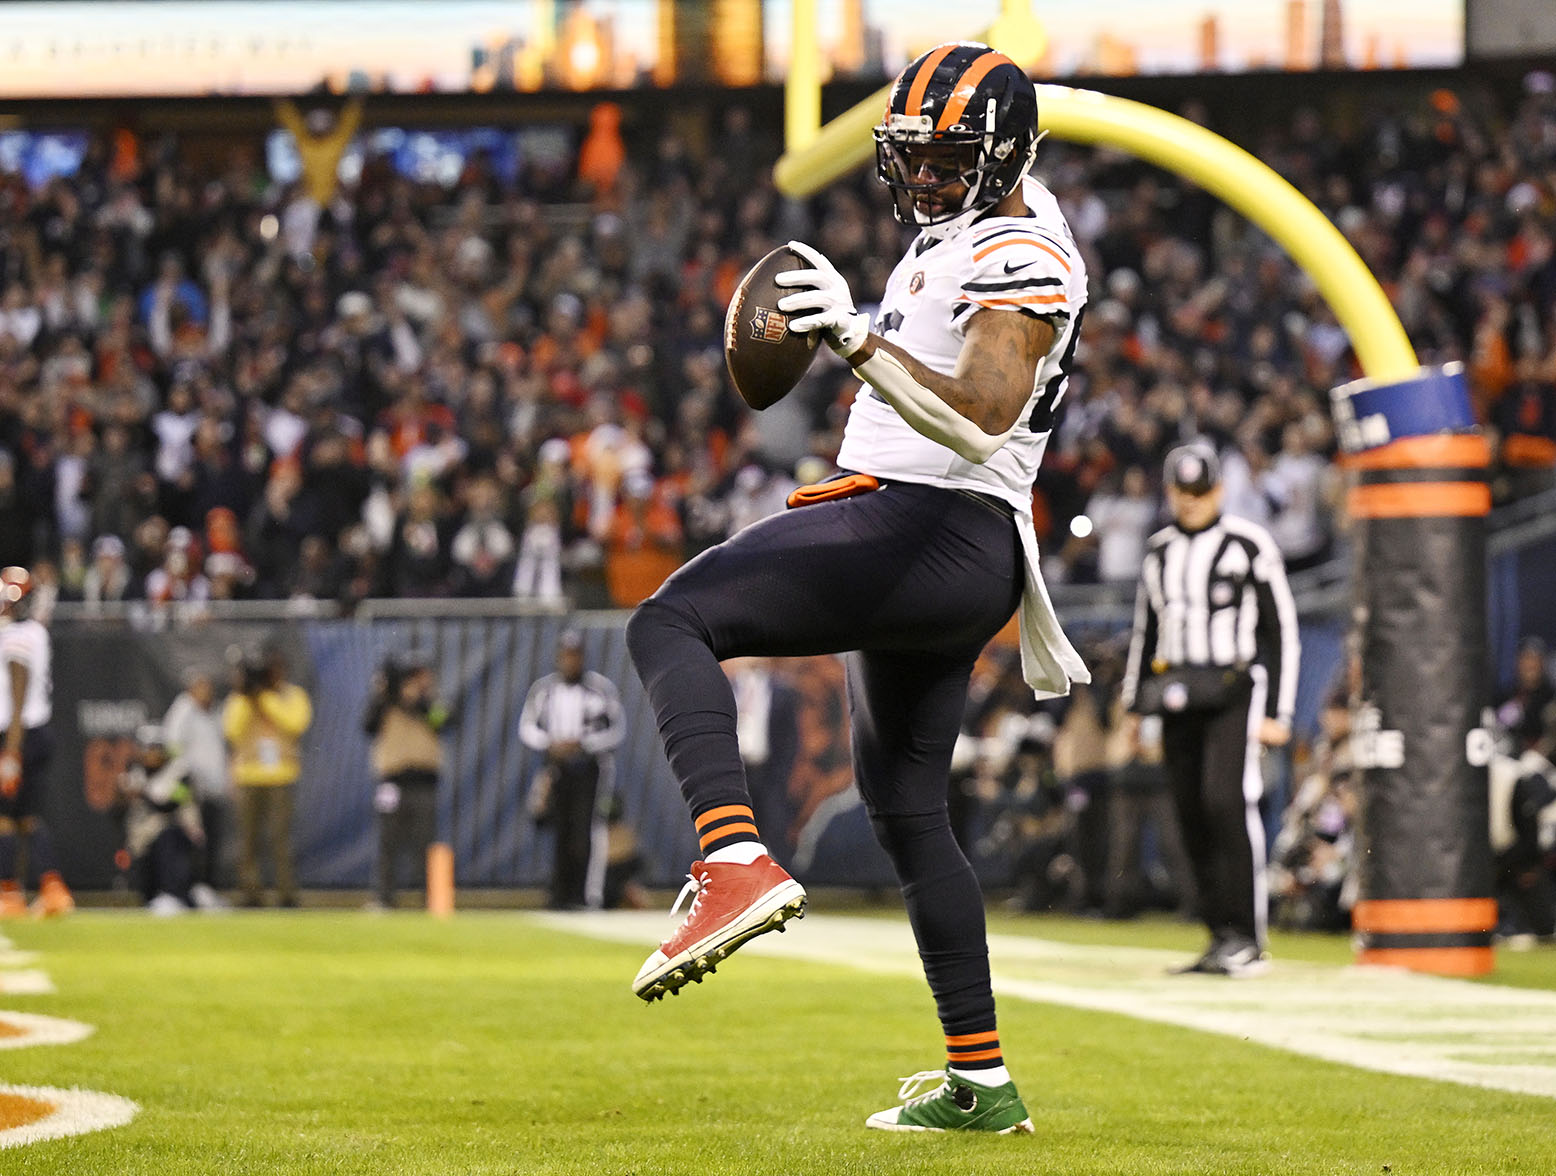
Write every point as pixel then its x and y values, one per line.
pixel 1214 653
pixel 574 717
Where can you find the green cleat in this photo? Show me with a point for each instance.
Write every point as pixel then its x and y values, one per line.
pixel 954 1105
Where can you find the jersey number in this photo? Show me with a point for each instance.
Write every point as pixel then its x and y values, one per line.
pixel 1042 420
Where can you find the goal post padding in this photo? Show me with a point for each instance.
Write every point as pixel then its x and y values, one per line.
pixel 1418 498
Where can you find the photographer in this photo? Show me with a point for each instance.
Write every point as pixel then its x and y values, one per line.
pixel 405 721
pixel 162 827
pixel 264 720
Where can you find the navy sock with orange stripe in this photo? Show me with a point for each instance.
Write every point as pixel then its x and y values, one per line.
pixel 973 1052
pixel 727 833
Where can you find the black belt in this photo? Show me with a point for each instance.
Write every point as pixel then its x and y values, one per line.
pixel 988 501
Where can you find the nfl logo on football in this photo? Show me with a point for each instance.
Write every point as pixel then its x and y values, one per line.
pixel 769 325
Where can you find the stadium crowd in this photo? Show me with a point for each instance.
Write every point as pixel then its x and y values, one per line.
pixel 211 386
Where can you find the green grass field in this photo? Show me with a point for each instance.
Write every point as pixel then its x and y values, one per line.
pixel 345 1043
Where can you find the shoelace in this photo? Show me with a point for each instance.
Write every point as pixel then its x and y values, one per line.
pixel 913 1083
pixel 693 888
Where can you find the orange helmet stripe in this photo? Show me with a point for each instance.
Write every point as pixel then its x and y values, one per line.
pixel 921 82
pixel 966 86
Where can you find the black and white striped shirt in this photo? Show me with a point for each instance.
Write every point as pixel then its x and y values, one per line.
pixel 1216 597
pixel 586 712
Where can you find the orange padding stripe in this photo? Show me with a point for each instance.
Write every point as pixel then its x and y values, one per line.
pixel 713 835
pixel 972 1038
pixel 1411 500
pixel 1450 451
pixel 718 814
pixel 1522 449
pixel 982 1055
pixel 1416 916
pixel 1443 961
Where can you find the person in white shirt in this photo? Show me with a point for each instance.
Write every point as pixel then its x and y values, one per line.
pixel 26 687
pixel 193 726
pixel 908 564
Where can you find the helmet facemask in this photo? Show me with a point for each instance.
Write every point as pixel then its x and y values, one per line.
pixel 923 166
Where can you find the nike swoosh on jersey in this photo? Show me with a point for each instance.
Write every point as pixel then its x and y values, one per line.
pixel 1012 268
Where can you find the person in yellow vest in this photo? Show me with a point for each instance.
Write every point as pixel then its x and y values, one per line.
pixel 264 721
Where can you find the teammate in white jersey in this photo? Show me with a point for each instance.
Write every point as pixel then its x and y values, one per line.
pixel 908 563
pixel 26 710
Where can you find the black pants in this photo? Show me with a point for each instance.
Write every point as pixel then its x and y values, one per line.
pixel 167 867
pixel 37 753
pixel 216 820
pixel 407 831
pixel 914 581
pixel 577 868
pixel 1212 764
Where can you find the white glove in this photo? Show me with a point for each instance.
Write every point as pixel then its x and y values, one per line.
pixel 386 797
pixel 824 293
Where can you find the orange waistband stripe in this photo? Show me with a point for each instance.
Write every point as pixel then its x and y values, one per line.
pixel 1443 961
pixel 971 1038
pixel 1410 500
pixel 1451 450
pixel 1417 916
pixel 718 814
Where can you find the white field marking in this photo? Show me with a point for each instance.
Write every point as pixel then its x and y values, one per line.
pixel 1383 1019
pixel 29 982
pixel 75 1113
pixel 17 959
pixel 5 944
pixel 40 1030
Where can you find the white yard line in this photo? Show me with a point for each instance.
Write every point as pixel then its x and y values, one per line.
pixel 74 1112
pixel 27 982
pixel 37 1029
pixel 1381 1019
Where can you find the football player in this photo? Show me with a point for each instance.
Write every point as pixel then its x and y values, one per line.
pixel 26 708
pixel 908 562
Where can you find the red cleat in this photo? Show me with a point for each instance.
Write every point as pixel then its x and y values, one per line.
pixel 730 904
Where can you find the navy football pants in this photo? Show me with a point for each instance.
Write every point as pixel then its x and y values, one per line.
pixel 911 581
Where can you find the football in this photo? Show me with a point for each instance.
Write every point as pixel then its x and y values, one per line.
pixel 765 358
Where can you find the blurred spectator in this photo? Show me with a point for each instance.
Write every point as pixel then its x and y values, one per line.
pixel 192 335
pixel 1523 706
pixel 1523 837
pixel 406 722
pixel 194 734
pixel 109 579
pixel 1122 520
pixel 482 550
pixel 767 727
pixel 1141 805
pixel 1312 873
pixel 263 720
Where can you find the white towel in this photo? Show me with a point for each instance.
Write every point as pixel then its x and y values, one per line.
pixel 1049 662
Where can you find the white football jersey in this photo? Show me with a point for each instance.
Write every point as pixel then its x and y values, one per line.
pixel 27 641
pixel 1025 265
